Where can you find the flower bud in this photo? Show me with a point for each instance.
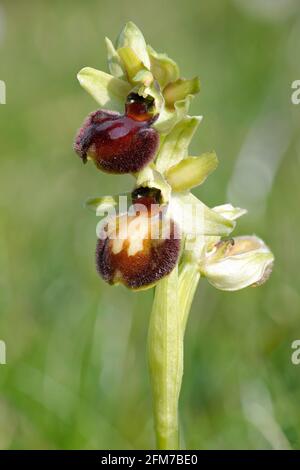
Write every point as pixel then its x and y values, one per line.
pixel 138 249
pixel 119 143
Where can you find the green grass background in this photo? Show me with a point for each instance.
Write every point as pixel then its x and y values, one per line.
pixel 76 373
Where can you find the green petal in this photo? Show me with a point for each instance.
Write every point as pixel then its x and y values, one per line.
pixel 247 262
pixel 164 69
pixel 175 146
pixel 114 61
pixel 132 37
pixel 180 89
pixel 108 91
pixel 191 171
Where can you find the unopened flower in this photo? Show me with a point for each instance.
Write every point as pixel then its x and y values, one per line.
pixel 119 143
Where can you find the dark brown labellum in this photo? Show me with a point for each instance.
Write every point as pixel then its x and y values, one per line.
pixel 149 251
pixel 119 143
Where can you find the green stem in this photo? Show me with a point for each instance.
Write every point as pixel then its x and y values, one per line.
pixel 172 302
pixel 188 281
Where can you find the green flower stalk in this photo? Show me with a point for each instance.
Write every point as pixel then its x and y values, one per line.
pixel 143 128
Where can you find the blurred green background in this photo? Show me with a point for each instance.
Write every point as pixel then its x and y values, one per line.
pixel 76 373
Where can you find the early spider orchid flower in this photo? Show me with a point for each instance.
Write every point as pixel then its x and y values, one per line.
pixel 150 140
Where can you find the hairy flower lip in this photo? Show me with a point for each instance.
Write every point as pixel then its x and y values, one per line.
pixel 83 136
pixel 138 261
pixel 118 143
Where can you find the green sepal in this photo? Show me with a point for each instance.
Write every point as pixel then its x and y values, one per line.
pixel 131 62
pixel 196 219
pixel 110 92
pixel 229 211
pixel 164 69
pixel 175 146
pixel 132 37
pixel 180 89
pixel 114 61
pixel 191 171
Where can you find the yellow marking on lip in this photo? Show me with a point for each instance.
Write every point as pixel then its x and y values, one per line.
pixel 133 232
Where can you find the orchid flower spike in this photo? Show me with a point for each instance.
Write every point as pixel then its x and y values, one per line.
pixel 164 236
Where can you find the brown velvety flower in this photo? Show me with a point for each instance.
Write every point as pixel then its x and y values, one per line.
pixel 119 143
pixel 138 250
